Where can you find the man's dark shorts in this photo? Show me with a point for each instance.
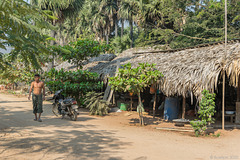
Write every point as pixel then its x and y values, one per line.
pixel 37 103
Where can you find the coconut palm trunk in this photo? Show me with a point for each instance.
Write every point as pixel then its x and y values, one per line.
pixel 116 27
pixel 131 31
pixel 122 28
pixel 53 34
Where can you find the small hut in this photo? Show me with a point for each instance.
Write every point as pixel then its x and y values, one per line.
pixel 187 72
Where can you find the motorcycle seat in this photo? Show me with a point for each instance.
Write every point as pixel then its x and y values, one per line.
pixel 67 101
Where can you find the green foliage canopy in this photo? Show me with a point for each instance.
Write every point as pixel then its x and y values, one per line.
pixel 74 83
pixel 135 80
pixel 17 30
pixel 81 50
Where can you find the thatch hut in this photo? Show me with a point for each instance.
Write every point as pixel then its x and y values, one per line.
pixel 186 71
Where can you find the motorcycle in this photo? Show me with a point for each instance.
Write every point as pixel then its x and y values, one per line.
pixel 62 106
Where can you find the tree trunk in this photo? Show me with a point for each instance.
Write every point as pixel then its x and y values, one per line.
pixel 131 103
pixel 53 34
pixel 116 27
pixel 139 99
pixel 107 37
pixel 140 110
pixel 122 28
pixel 131 32
pixel 154 104
pixel 183 108
pixel 61 38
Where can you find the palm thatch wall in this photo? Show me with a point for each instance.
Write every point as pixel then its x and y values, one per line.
pixel 186 71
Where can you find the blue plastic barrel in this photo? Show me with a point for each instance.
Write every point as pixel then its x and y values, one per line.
pixel 171 108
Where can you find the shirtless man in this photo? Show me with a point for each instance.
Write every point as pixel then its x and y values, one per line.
pixel 37 98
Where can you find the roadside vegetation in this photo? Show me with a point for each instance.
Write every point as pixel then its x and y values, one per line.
pixel 43 32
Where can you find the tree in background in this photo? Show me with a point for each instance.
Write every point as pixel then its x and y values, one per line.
pixel 81 50
pixel 169 23
pixel 61 9
pixel 128 11
pixel 17 31
pixel 15 73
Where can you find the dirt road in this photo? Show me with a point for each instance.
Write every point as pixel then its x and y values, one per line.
pixel 96 138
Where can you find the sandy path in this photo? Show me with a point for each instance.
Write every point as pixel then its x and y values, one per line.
pixel 98 138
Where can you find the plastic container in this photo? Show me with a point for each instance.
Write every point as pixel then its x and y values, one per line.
pixel 123 107
pixel 171 108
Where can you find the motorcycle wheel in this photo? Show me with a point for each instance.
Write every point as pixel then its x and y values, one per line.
pixel 73 115
pixel 55 110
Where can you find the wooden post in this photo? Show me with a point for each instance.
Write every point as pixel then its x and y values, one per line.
pixel 106 92
pixel 224 58
pixel 223 101
pixel 154 104
pixel 114 100
pixel 131 103
pixel 111 92
pixel 238 90
pixel 183 108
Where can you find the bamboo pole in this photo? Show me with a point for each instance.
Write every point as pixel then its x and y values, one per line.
pixel 183 108
pixel 223 101
pixel 223 90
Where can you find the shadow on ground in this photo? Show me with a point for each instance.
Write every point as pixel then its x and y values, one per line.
pixel 88 144
pixel 147 121
pixel 13 101
pixel 62 138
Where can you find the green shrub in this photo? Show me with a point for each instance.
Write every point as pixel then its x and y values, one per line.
pixel 206 113
pixel 199 127
pixel 207 107
pixel 217 135
pixel 74 83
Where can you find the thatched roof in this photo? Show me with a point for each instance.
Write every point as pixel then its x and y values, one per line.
pixel 185 71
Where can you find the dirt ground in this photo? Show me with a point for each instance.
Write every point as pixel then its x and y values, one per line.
pixel 114 137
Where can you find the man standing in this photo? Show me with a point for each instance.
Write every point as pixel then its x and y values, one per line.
pixel 37 98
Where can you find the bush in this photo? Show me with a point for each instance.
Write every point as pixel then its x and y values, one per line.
pixel 74 83
pixel 206 113
pixel 199 127
pixel 96 104
pixel 207 107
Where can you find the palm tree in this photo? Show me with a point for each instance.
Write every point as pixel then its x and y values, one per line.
pixel 109 9
pixel 61 9
pixel 105 19
pixel 128 10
